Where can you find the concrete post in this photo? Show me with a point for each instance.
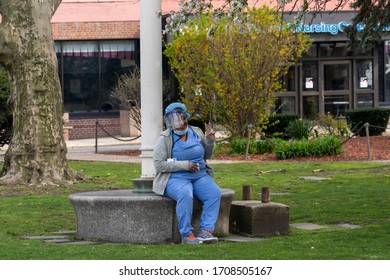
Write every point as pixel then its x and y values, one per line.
pixel 151 82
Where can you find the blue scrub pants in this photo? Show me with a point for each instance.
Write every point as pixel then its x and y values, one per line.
pixel 183 192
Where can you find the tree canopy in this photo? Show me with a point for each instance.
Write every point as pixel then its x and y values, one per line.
pixel 229 68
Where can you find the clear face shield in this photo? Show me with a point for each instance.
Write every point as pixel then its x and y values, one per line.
pixel 175 119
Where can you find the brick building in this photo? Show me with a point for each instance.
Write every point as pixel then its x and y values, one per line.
pixel 96 41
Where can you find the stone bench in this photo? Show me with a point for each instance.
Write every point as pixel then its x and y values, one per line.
pixel 125 216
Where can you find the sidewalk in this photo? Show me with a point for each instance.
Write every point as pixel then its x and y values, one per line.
pixel 84 150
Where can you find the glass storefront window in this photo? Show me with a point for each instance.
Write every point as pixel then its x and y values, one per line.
pixel 310 75
pixel 90 69
pixel 364 73
pixel 335 49
pixel 285 105
pixel 310 107
pixel 80 75
pixel 117 58
pixel 336 105
pixel 336 77
pixel 364 100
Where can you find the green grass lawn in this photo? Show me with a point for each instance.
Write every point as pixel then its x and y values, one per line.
pixel 356 192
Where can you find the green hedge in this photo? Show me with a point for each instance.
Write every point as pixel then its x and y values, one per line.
pixel 376 117
pixel 319 147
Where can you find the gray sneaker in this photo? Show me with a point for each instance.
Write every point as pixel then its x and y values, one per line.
pixel 207 237
pixel 191 239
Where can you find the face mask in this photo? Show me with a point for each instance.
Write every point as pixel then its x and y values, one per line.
pixel 181 132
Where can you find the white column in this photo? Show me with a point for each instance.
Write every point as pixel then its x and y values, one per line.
pixel 151 82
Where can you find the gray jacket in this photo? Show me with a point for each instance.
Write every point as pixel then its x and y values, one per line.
pixel 163 151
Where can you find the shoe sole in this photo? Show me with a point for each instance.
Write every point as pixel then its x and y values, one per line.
pixel 209 241
pixel 192 243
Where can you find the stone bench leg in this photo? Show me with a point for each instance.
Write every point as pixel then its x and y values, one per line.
pixel 222 224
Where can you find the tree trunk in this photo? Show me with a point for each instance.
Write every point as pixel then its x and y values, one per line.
pixel 37 151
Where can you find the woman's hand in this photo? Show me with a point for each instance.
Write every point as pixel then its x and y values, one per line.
pixel 193 167
pixel 210 133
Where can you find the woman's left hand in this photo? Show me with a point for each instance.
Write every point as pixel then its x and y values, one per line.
pixel 193 167
pixel 210 133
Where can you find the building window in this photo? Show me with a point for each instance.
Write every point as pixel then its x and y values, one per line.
pixel 364 100
pixel 364 73
pixel 334 49
pixel 336 77
pixel 310 107
pixel 288 80
pixel 311 52
pixel 310 75
pixel 387 71
pixel 89 70
pixel 336 105
pixel 285 105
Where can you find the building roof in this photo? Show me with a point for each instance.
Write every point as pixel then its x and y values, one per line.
pixel 97 11
pixel 129 10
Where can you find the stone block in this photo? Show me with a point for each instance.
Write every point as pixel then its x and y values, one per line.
pixel 259 219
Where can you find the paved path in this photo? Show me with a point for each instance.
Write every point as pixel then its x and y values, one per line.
pixel 84 149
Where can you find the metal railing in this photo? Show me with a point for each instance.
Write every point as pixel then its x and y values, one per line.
pixel 98 125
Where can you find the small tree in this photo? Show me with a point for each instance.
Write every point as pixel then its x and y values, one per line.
pixel 229 67
pixel 127 93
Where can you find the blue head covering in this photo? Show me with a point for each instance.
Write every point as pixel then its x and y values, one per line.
pixel 177 105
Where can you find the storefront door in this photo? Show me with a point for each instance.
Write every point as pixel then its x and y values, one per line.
pixel 335 87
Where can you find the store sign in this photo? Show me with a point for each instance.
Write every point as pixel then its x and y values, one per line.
pixel 332 28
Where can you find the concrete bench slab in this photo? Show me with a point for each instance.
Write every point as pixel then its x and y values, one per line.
pixel 124 216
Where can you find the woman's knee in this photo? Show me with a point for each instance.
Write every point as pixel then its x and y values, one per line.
pixel 217 192
pixel 185 196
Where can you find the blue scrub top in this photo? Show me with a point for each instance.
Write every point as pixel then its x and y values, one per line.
pixel 191 150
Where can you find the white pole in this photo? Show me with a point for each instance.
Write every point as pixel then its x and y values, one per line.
pixel 151 82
